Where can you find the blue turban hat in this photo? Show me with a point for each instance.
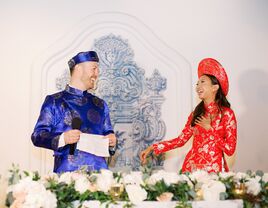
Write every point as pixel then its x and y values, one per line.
pixel 83 57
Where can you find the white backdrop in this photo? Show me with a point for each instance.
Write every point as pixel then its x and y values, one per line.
pixel 234 32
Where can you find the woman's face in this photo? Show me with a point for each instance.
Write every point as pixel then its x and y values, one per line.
pixel 206 91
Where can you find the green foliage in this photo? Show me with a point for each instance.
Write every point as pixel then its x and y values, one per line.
pixel 15 175
pixel 9 199
pixel 156 190
pixel 65 194
pixel 183 204
pixel 181 191
pixel 230 185
pixel 128 205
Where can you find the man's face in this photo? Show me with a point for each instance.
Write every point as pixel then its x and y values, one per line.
pixel 90 73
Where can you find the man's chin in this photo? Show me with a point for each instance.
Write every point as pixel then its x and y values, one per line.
pixel 92 87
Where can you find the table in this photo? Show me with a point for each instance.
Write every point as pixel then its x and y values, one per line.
pixel 154 204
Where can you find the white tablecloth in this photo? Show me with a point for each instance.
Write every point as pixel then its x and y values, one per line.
pixel 153 204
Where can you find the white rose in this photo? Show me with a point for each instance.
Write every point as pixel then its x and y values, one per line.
pixel 27 185
pixel 186 179
pixel 66 178
pixel 200 176
pixel 77 175
pixel 253 186
pixel 136 194
pixel 265 177
pixel 212 189
pixel 106 173
pixel 240 176
pixel 82 184
pixel 36 187
pixel 33 200
pixel 225 175
pixel 23 185
pixel 135 177
pixel 51 201
pixel 42 199
pixel 170 177
pixel 154 178
pixel 104 180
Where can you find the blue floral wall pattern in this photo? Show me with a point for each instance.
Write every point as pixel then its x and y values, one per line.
pixel 134 100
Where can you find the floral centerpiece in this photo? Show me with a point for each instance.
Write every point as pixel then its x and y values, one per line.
pixel 75 189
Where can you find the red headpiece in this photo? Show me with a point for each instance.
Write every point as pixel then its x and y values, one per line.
pixel 212 67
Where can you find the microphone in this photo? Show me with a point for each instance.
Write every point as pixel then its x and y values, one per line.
pixel 76 124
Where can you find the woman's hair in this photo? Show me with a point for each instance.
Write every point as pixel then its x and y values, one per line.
pixel 220 99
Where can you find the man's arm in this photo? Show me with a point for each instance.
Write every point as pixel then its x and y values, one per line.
pixel 44 134
pixel 108 130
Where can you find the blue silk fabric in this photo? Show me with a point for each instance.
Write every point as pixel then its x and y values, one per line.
pixel 83 57
pixel 56 116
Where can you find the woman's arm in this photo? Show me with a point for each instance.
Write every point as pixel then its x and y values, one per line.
pixel 186 134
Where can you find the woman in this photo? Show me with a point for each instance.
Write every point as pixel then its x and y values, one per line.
pixel 212 124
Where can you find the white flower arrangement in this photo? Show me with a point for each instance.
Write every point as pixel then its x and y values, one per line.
pixel 76 188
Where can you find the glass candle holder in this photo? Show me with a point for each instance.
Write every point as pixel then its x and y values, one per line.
pixel 239 190
pixel 116 191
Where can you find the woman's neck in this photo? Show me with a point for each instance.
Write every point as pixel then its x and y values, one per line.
pixel 208 101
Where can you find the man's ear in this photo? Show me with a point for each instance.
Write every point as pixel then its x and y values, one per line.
pixel 215 87
pixel 77 68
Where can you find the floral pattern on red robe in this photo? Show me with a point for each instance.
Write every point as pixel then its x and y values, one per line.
pixel 208 145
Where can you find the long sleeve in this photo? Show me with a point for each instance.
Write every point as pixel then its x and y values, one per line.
pixel 228 142
pixel 44 134
pixel 186 134
pixel 107 126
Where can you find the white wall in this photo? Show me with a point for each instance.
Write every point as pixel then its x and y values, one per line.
pixel 234 32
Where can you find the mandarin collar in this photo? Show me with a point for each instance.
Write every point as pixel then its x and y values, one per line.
pixel 212 107
pixel 75 91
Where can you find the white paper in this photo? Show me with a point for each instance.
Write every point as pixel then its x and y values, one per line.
pixel 94 144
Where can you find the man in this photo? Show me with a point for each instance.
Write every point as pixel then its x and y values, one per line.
pixel 55 126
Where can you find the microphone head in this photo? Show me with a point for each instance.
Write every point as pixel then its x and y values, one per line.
pixel 76 123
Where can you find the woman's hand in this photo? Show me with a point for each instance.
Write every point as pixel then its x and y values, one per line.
pixel 144 154
pixel 204 122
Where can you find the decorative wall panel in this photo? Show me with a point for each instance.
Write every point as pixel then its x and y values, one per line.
pixel 146 84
